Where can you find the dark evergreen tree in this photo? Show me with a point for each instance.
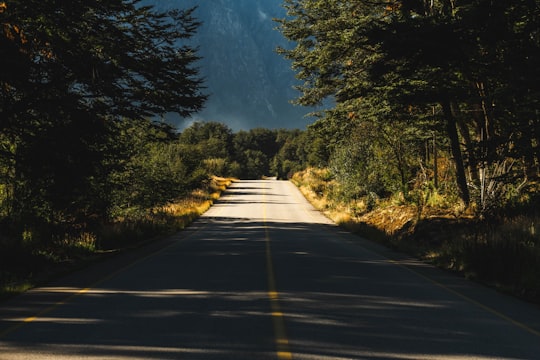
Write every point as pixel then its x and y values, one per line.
pixel 447 66
pixel 68 72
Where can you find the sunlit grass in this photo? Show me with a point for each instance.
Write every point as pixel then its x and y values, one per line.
pixel 163 220
pixel 198 202
pixel 75 250
pixel 428 224
pixel 315 185
pixel 13 288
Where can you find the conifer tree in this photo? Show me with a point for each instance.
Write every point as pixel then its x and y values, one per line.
pixel 467 67
pixel 68 72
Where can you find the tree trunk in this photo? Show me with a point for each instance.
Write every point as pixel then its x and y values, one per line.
pixel 485 124
pixel 471 156
pixel 534 142
pixel 456 151
pixel 435 164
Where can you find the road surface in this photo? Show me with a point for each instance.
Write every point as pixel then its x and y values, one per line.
pixel 262 275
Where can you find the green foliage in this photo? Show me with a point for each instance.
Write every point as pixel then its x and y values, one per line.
pixel 206 148
pixel 213 139
pixel 162 166
pixel 505 254
pixel 449 68
pixel 281 153
pixel 71 75
pixel 217 166
pixel 254 150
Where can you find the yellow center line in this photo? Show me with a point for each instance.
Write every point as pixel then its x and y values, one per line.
pixel 42 312
pixel 282 342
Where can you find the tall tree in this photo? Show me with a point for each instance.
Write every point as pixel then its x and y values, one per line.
pixel 470 61
pixel 68 71
pixel 338 58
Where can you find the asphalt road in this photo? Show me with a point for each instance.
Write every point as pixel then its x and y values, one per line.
pixel 264 276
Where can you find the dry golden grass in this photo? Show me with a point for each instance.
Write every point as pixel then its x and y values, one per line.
pixel 389 216
pixel 163 220
pixel 437 228
pixel 17 287
pixel 186 209
pixel 339 217
pixel 120 234
pixel 314 185
pixel 392 218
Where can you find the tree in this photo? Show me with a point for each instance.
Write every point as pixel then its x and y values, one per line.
pixel 157 169
pixel 337 58
pixel 69 71
pixel 455 62
pixel 214 139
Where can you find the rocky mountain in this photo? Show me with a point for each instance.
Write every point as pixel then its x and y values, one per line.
pixel 250 85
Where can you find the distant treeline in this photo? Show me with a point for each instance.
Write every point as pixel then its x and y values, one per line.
pixel 254 153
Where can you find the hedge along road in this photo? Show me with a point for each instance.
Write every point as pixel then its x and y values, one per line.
pixel 264 276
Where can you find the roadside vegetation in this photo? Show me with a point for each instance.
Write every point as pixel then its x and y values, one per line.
pixel 82 170
pixel 501 251
pixel 25 264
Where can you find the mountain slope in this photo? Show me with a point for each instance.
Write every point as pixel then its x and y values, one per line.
pixel 249 84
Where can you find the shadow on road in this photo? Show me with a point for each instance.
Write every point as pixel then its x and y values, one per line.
pixel 204 296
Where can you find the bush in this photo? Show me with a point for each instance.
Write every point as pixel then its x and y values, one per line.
pixel 505 254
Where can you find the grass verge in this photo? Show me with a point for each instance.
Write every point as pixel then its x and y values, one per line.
pixel 503 253
pixel 24 266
